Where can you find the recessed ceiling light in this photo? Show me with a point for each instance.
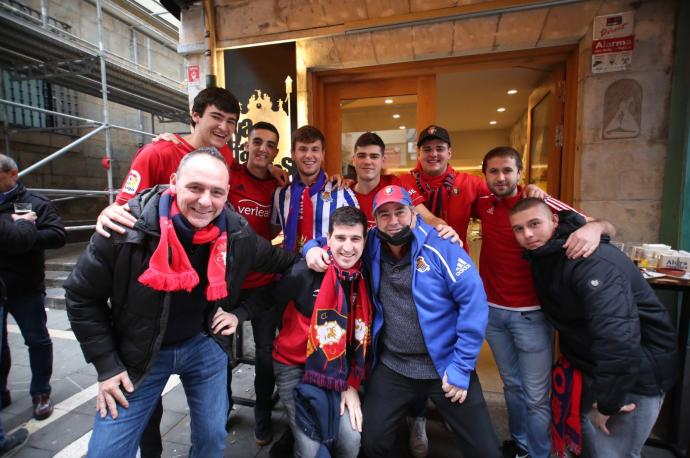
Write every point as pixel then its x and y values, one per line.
pixel 388 101
pixel 401 127
pixel 396 116
pixel 512 91
pixel 501 109
pixel 492 122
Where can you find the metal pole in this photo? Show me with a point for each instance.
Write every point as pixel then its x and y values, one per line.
pixel 79 192
pixel 141 132
pixel 61 151
pixel 104 90
pixel 44 13
pixel 135 57
pixel 43 110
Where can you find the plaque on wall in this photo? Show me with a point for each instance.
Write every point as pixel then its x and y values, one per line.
pixel 622 110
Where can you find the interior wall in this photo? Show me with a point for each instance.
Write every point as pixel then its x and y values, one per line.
pixel 469 147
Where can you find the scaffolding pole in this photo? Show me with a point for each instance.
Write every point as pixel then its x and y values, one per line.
pixel 104 89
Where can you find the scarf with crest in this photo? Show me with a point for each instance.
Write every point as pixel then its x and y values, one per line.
pixel 566 393
pixel 169 267
pixel 435 189
pixel 299 224
pixel 340 331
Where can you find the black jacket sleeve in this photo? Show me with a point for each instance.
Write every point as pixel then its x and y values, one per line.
pixel 614 329
pixel 51 231
pixel 16 237
pixel 87 290
pixel 271 259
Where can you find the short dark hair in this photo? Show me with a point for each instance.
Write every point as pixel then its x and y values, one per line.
pixel 207 150
pixel 503 151
pixel 307 134
pixel 368 139
pixel 263 125
pixel 218 96
pixel 347 216
pixel 527 203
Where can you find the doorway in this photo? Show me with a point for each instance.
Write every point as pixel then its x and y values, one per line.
pixel 524 99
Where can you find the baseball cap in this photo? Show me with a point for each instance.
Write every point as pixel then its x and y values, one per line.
pixel 392 193
pixel 433 131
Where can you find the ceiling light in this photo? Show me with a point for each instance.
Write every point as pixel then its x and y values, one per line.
pixel 512 91
pixel 501 109
pixel 396 116
pixel 492 122
pixel 401 127
pixel 389 101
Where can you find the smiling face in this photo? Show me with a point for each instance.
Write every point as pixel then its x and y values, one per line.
pixel 308 158
pixel 262 147
pixel 392 217
pixel 346 243
pixel 214 127
pixel 502 176
pixel 434 155
pixel 534 226
pixel 201 189
pixel 368 162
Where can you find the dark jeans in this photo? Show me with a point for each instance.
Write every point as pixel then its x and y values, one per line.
pixel 29 312
pixel 264 329
pixel 389 396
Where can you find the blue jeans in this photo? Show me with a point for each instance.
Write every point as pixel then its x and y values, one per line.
pixel 522 345
pixel 629 431
pixel 29 312
pixel 347 446
pixel 201 364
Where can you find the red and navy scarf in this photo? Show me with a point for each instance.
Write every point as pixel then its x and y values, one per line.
pixel 435 189
pixel 339 335
pixel 299 225
pixel 169 268
pixel 566 393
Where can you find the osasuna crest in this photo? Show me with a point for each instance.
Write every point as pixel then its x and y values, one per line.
pixel 388 190
pixel 431 130
pixel 221 254
pixel 422 266
pixel 461 267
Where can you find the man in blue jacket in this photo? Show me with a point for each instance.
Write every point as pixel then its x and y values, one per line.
pixel 430 314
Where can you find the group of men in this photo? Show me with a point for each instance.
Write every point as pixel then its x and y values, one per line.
pixel 387 304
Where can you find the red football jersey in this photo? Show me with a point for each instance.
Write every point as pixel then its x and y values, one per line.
pixel 252 198
pixel 154 163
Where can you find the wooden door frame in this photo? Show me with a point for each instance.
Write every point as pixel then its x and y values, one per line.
pixel 319 82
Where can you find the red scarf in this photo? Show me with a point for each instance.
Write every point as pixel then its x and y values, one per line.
pixel 435 189
pixel 566 393
pixel 339 335
pixel 169 267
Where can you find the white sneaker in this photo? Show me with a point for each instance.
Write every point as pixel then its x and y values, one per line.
pixel 419 443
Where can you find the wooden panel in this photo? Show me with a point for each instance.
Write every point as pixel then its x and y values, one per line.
pixel 569 173
pixel 426 101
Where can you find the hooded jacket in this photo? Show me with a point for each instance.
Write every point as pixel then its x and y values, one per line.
pixel 126 334
pixel 611 324
pixel 22 250
pixel 449 297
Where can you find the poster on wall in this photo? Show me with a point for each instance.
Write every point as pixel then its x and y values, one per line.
pixel 613 42
pixel 262 78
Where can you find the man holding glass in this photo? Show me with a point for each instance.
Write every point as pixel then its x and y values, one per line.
pixel 33 221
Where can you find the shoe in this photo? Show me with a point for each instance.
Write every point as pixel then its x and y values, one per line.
pixel 5 399
pixel 263 429
pixel 14 442
pixel 511 449
pixel 43 406
pixel 419 443
pixel 283 446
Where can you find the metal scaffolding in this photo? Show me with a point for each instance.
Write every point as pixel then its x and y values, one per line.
pixel 34 46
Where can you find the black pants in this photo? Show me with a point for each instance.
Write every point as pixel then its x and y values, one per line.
pixel 389 395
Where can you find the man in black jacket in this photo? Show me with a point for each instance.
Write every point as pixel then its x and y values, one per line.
pixel 173 282
pixel 35 227
pixel 611 327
